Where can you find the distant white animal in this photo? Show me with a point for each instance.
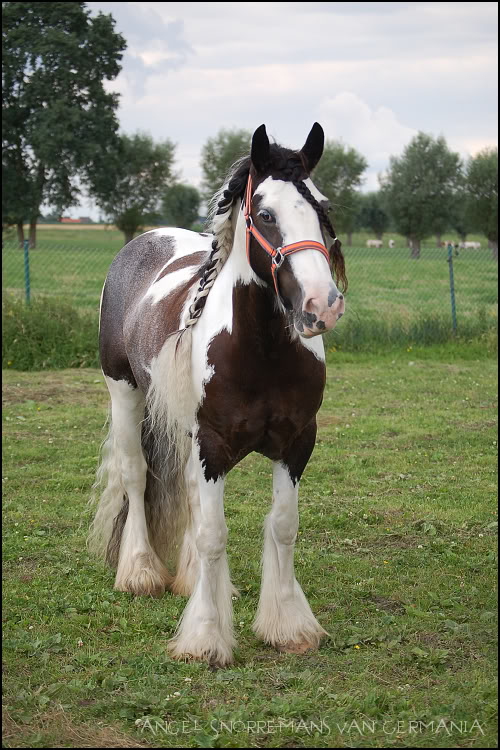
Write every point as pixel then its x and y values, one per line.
pixel 470 245
pixel 391 243
pixel 374 243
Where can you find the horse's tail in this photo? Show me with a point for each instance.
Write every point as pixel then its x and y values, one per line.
pixel 166 445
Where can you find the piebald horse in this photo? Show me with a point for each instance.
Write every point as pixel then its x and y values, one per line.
pixel 211 348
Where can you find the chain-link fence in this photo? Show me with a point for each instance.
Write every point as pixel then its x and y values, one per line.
pixel 455 287
pixel 73 271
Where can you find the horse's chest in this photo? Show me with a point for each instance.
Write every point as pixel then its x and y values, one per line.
pixel 257 401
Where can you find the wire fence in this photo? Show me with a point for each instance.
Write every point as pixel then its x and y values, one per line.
pixel 453 286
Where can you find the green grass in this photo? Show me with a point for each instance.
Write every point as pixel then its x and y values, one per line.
pixel 47 334
pixel 68 262
pixel 396 553
pixel 386 282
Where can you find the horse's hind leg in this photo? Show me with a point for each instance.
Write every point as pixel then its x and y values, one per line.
pixel 188 563
pixel 284 618
pixel 139 571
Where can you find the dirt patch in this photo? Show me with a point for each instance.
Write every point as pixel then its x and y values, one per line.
pixel 58 724
pixel 478 426
pixel 326 421
pixel 432 640
pixel 390 514
pixel 63 387
pixel 63 227
pixel 24 570
pixel 388 605
pixel 393 541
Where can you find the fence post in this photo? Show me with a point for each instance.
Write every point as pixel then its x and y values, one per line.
pixel 452 287
pixel 27 270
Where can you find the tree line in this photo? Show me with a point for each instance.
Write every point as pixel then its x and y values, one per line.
pixel 60 139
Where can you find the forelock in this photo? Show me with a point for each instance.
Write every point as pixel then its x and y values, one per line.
pixel 286 164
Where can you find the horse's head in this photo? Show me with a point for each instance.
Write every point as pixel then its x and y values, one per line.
pixel 286 215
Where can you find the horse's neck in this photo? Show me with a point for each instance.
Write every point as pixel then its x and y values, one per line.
pixel 240 300
pixel 258 304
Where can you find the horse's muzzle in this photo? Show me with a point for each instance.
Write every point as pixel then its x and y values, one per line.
pixel 314 319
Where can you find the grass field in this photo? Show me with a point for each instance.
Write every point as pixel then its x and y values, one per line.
pixel 396 553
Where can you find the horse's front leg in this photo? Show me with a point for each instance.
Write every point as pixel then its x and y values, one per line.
pixel 205 631
pixel 284 618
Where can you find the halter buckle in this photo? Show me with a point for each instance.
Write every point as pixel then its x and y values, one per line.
pixel 278 258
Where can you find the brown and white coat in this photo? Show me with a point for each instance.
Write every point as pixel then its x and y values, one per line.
pixel 189 401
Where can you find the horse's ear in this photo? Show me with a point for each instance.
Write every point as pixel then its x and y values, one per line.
pixel 260 149
pixel 313 147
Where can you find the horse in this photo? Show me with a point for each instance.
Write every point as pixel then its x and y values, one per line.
pixel 210 345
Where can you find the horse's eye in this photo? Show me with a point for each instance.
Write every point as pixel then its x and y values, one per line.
pixel 266 216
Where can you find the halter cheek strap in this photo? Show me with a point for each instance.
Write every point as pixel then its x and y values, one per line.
pixel 279 254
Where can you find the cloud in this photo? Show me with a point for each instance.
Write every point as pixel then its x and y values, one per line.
pixel 376 133
pixel 153 43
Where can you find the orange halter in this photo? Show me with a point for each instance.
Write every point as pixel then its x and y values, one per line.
pixel 279 254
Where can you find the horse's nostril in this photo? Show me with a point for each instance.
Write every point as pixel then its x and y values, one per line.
pixel 311 305
pixel 341 296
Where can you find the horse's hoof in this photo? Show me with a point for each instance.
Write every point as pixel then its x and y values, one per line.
pixel 215 658
pixel 154 589
pixel 143 576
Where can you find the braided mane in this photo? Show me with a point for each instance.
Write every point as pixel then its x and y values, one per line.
pixel 219 223
pixel 221 205
pixel 284 164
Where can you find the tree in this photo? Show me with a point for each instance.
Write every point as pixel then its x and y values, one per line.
pixel 482 187
pixel 420 187
pixel 217 156
pixel 461 214
pixel 373 214
pixel 136 174
pixel 181 205
pixel 56 112
pixel 15 195
pixel 455 214
pixel 442 223
pixel 337 176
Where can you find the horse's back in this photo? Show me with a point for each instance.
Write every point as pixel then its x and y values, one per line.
pixel 145 290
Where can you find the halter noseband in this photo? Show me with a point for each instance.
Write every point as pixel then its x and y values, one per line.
pixel 279 254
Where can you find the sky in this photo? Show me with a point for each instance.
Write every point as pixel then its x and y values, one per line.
pixel 372 74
